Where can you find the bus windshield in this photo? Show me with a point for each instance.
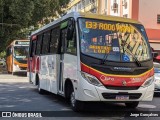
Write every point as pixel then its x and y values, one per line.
pixel 21 52
pixel 114 41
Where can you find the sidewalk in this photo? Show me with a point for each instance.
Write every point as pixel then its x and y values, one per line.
pixel 9 78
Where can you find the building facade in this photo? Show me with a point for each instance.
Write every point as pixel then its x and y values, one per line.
pixel 83 6
pixel 145 11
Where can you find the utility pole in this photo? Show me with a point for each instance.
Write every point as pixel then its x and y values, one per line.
pixel 99 6
pixel 83 4
pixel 1 19
pixel 2 15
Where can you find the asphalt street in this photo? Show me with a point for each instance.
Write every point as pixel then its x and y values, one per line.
pixel 16 94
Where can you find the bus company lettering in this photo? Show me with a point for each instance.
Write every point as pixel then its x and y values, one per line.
pixel 111 27
pixel 122 68
pixel 104 78
pixel 134 80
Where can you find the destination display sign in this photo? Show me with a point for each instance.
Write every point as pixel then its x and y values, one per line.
pixel 22 42
pixel 119 27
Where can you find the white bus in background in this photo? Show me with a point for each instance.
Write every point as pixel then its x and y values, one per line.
pixel 90 57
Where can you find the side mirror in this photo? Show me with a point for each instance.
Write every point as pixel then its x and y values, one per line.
pixel 70 29
pixel 154 54
pixel 158 58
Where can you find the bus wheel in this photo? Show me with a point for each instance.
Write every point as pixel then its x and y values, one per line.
pixel 132 104
pixel 75 104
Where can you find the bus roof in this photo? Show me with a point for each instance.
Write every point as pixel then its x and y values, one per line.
pixel 87 15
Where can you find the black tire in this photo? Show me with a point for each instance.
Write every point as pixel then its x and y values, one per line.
pixel 76 105
pixel 132 104
pixel 40 91
pixel 9 72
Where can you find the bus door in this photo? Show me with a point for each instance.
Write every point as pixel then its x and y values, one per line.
pixel 60 65
pixel 9 60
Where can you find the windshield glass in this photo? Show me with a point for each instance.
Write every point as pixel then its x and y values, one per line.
pixel 114 41
pixel 21 52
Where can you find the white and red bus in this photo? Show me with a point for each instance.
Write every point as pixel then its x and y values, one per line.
pixel 90 57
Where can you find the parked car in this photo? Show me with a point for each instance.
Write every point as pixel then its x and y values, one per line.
pixel 156 56
pixel 157 76
pixel 2 62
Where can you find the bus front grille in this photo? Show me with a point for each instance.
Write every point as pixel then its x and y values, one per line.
pixel 122 87
pixel 113 95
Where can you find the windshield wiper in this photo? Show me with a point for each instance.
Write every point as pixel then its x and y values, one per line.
pixel 135 58
pixel 104 59
pixel 105 55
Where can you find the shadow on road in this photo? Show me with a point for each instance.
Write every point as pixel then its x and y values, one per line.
pixel 25 97
pixel 93 109
pixel 157 94
pixel 22 74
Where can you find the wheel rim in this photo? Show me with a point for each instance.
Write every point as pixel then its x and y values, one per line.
pixel 39 89
pixel 73 99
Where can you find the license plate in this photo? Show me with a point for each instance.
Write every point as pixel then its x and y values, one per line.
pixel 122 97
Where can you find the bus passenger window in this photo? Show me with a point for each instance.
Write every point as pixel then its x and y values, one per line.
pixel 45 43
pixel 39 44
pixel 54 40
pixel 71 45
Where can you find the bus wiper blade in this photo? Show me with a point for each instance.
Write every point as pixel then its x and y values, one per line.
pixel 104 59
pixel 136 60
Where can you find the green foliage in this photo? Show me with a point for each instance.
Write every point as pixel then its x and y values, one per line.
pixel 19 15
pixel 3 54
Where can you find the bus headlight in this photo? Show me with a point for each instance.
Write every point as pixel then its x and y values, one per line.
pixel 148 82
pixel 17 66
pixel 91 79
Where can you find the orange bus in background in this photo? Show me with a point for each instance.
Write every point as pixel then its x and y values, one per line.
pixel 17 53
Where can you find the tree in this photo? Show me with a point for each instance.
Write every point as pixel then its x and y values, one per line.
pixel 16 17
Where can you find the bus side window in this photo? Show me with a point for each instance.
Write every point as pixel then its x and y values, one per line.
pixel 72 45
pixel 39 44
pixel 54 40
pixel 33 48
pixel 45 43
pixel 9 52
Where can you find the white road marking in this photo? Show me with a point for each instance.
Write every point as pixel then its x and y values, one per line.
pixel 146 106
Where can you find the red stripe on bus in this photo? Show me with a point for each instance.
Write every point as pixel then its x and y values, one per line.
pixel 117 80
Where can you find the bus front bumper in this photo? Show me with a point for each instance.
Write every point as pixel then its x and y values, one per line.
pixel 89 92
pixel 17 68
